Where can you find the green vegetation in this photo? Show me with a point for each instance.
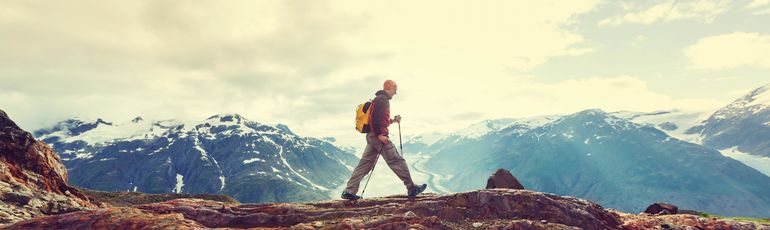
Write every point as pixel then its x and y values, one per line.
pixel 121 199
pixel 758 220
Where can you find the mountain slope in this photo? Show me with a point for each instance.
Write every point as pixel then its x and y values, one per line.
pixel 675 123
pixel 613 161
pixel 744 124
pixel 225 153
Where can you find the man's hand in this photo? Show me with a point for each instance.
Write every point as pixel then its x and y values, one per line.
pixel 383 139
pixel 396 119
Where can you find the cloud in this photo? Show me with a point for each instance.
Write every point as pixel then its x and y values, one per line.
pixel 306 64
pixel 759 7
pixel 522 97
pixel 754 4
pixel 670 10
pixel 739 49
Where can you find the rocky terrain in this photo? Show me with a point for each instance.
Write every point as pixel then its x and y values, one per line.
pixel 123 199
pixel 33 181
pixel 483 209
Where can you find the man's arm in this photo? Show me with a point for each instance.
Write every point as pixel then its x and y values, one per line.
pixel 379 118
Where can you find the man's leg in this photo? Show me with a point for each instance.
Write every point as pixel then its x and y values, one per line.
pixel 397 163
pixel 365 165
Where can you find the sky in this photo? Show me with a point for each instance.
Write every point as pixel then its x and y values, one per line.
pixel 308 64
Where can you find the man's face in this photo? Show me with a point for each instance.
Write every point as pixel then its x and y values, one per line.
pixel 392 92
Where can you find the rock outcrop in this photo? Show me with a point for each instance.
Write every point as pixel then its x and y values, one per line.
pixel 482 209
pixel 493 208
pixel 503 179
pixel 33 181
pixel 685 221
pixel 661 209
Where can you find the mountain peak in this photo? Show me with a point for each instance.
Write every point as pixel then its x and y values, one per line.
pixel 592 112
pixel 758 96
pixel 753 102
pixel 482 128
pixel 284 128
pixel 6 122
pixel 137 119
pixel 227 117
pixel 588 115
pixel 594 118
pixel 100 121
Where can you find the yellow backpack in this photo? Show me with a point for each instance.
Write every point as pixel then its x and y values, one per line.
pixel 363 117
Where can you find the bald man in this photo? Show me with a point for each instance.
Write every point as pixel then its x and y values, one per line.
pixel 377 142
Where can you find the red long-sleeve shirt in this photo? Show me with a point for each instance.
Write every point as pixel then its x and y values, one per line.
pixel 380 113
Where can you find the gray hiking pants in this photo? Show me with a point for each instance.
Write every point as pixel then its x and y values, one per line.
pixel 371 153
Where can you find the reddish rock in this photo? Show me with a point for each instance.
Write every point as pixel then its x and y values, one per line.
pixel 110 218
pixel 33 181
pixel 661 209
pixel 685 221
pixel 503 179
pixel 535 225
pixel 493 207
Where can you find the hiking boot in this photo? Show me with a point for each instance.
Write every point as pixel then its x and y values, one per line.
pixel 346 195
pixel 417 190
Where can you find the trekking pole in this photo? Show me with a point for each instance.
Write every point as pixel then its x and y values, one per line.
pixel 399 139
pixel 372 172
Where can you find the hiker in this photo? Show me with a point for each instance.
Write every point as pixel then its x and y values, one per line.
pixel 377 142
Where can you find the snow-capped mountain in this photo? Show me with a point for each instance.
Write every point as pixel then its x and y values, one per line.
pixel 744 124
pixel 225 153
pixel 619 163
pixel 433 142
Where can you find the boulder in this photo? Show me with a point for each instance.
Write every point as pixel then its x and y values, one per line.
pixel 503 179
pixel 661 209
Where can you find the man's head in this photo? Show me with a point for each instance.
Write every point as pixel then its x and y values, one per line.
pixel 390 87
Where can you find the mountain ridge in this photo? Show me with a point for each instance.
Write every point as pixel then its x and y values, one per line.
pixel 221 154
pixel 599 156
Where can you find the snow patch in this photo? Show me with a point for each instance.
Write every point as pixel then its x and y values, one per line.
pixel 684 120
pixel 83 156
pixel 428 138
pixel 761 164
pixel 253 160
pixel 285 162
pixel 760 96
pixel 179 183
pixel 482 128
